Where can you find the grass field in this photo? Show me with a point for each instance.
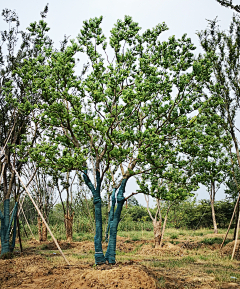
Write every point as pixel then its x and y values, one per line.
pixel 188 259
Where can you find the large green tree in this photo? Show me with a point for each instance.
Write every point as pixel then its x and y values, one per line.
pixel 129 111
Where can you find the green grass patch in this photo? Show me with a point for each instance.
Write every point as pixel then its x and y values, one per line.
pixel 198 234
pixel 211 241
pixel 174 236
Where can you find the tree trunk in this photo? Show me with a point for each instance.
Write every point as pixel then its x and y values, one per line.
pixel 163 229
pixel 99 256
pixel 212 199
pixel 44 232
pixel 111 249
pixel 157 232
pixel 40 237
pixel 68 225
pixel 235 229
pixel 6 224
pixel 111 213
pixel 214 218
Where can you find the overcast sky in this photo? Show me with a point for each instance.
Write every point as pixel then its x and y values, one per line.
pixel 181 16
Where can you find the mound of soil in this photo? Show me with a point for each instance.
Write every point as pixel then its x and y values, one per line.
pixel 227 250
pixel 167 247
pixel 125 277
pixel 35 272
pixel 86 247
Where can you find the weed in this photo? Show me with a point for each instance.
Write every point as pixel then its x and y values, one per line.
pixel 209 271
pixel 188 259
pixel 174 236
pixel 135 239
pixel 43 247
pixel 137 248
pixel 158 264
pixel 204 258
pixel 161 282
pixel 198 234
pixel 211 241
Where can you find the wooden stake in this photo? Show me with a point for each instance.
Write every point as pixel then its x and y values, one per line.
pixel 2 173
pixel 39 212
pixel 7 140
pixel 236 238
pixel 28 224
pixel 19 235
pixel 230 222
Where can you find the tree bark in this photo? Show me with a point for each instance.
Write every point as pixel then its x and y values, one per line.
pixel 163 229
pixel 236 237
pixel 68 225
pixel 44 232
pixel 39 229
pixel 212 200
pixel 235 229
pixel 111 249
pixel 6 223
pixel 111 213
pixel 99 256
pixel 157 232
pixel 214 218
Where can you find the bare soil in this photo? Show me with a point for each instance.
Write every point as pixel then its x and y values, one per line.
pixel 139 266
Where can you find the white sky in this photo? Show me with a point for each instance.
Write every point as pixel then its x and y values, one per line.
pixel 181 16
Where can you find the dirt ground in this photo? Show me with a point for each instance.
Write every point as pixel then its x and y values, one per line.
pixel 139 266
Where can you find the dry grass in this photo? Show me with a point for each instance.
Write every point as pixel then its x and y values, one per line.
pixel 188 259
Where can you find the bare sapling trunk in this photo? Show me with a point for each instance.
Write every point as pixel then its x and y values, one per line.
pixel 163 228
pixel 68 219
pixel 236 237
pixel 214 218
pixel 236 223
pixel 39 220
pixel 44 232
pixel 212 200
pixel 157 232
pixel 157 224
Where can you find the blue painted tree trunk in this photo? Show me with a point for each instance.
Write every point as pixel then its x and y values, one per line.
pixel 111 213
pixel 99 256
pixel 6 224
pixel 111 250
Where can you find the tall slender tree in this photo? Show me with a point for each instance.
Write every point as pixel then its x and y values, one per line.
pixel 224 85
pixel 18 100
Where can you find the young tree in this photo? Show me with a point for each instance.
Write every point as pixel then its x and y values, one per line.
pixel 64 183
pixel 224 85
pixel 173 185
pixel 43 192
pixel 233 188
pixel 211 163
